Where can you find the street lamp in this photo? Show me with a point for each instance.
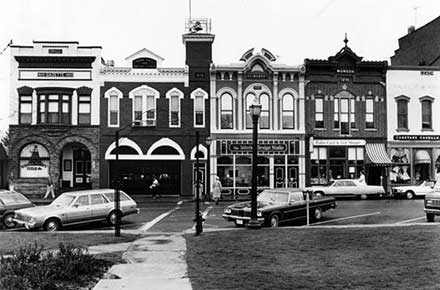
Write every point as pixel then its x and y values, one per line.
pixel 208 166
pixel 255 110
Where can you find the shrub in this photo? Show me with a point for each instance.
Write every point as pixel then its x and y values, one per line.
pixel 33 268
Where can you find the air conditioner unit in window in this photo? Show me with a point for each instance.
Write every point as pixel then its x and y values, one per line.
pixel 150 123
pixel 137 123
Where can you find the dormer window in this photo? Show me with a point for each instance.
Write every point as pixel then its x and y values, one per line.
pixel 257 68
pixel 144 63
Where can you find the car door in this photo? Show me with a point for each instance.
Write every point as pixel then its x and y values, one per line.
pixel 338 188
pixel 100 206
pixel 350 187
pixel 80 210
pixel 426 187
pixel 296 208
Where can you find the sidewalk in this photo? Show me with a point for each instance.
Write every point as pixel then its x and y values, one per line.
pixel 154 261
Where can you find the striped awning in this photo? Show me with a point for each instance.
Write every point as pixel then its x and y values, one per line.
pixel 377 155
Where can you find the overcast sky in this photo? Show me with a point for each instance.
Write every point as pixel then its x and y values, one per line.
pixel 291 29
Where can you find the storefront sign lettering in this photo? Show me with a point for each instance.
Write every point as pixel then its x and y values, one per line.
pixel 260 147
pixel 417 137
pixel 54 75
pixel 353 142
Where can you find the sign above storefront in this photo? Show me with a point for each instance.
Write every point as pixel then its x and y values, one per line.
pixel 417 137
pixel 340 142
pixel 54 75
pixel 282 148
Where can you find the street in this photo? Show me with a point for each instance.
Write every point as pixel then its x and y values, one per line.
pixel 173 215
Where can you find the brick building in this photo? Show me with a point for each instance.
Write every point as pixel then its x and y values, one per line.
pixel 345 118
pixel 54 116
pixel 156 112
pixel 279 88
pixel 420 47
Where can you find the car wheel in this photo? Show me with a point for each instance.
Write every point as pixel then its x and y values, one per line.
pixel 317 214
pixel 7 220
pixel 274 221
pixel 364 196
pixel 52 225
pixel 112 217
pixel 430 217
pixel 409 194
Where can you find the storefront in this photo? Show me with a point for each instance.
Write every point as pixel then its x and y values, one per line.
pixel 278 165
pixel 345 159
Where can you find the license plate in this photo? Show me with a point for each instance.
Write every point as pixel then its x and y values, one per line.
pixel 239 222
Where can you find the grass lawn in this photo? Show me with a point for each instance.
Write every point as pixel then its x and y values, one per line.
pixel 287 258
pixel 10 241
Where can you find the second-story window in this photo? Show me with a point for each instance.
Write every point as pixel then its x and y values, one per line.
pixel 84 110
pixel 402 114
pixel 137 108
pixel 426 114
pixel 250 99
pixel 288 114
pixel 199 111
pixel 369 113
pixel 226 119
pixel 265 109
pixel 114 110
pixel 319 112
pixel 174 111
pixel 25 109
pixel 54 108
pixel 151 110
pixel 344 112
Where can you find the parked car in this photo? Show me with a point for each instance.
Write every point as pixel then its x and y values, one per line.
pixel 349 187
pixel 77 207
pixel 419 189
pixel 432 205
pixel 275 206
pixel 10 201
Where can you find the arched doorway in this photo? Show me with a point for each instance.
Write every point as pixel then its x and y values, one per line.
pixel 75 166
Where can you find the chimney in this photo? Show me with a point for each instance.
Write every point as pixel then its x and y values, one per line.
pixel 411 29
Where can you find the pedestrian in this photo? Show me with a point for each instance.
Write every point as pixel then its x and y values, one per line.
pixel 362 177
pixel 49 188
pixel 154 187
pixel 11 182
pixel 216 189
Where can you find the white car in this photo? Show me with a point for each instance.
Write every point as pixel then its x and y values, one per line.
pixel 348 187
pixel 419 189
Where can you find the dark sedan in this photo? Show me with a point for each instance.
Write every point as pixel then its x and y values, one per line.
pixel 10 201
pixel 275 206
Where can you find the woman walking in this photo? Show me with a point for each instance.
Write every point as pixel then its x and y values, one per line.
pixel 216 189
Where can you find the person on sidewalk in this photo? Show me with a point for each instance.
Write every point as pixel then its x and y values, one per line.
pixel 49 189
pixel 11 182
pixel 362 177
pixel 155 187
pixel 216 190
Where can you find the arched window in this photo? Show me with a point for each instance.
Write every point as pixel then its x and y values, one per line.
pixel 34 161
pixel 264 116
pixel 402 112
pixel 250 99
pixel 288 113
pixel 226 121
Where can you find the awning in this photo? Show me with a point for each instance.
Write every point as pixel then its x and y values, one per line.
pixel 377 155
pixel 422 157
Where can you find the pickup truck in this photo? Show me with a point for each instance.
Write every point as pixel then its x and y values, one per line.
pixel 280 205
pixel 432 205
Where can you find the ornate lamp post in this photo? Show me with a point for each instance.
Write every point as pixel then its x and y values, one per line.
pixel 208 167
pixel 255 110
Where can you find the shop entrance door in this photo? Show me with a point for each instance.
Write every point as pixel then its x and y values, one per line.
pixel 202 175
pixel 82 167
pixel 280 176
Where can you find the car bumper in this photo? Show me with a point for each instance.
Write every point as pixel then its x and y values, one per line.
pixel 244 219
pixel 27 225
pixel 432 211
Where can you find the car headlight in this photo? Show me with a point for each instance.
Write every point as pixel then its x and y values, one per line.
pixel 228 211
pixel 428 201
pixel 259 214
pixel 31 219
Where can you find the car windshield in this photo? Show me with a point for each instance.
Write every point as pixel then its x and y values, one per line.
pixel 273 197
pixel 63 200
pixel 13 198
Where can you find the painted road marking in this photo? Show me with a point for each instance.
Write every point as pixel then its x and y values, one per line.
pixel 346 218
pixel 150 224
pixel 411 220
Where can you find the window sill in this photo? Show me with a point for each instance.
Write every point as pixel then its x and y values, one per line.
pixel 402 130
pixel 320 129
pixel 427 130
pixel 371 129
